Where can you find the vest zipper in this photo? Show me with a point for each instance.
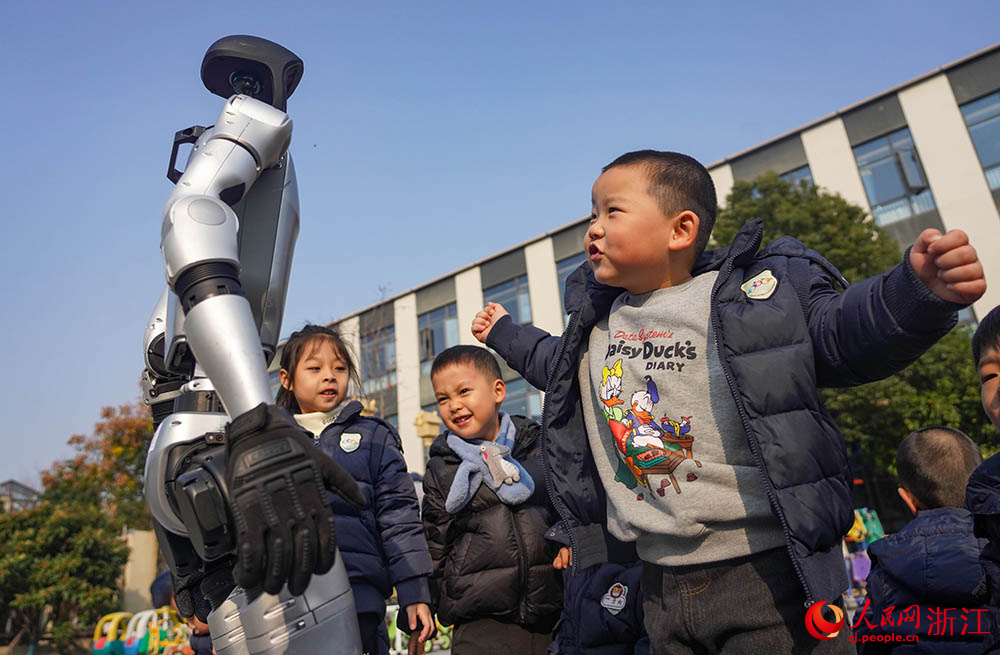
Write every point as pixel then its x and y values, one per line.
pixel 751 437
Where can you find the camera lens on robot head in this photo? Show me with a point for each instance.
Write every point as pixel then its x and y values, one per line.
pixel 252 66
pixel 245 83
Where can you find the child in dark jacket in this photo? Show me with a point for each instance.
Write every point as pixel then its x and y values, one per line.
pixel 933 562
pixel 982 496
pixel 383 544
pixel 602 610
pixel 485 515
pixel 682 410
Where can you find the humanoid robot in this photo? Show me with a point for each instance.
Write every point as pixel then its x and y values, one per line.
pixel 237 493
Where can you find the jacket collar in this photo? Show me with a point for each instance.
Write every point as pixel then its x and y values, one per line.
pixel 592 299
pixel 351 410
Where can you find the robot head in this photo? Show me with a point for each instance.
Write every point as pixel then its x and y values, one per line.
pixel 252 66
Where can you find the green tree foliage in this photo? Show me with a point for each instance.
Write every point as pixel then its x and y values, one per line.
pixel 941 388
pixel 108 467
pixel 59 562
pixel 824 222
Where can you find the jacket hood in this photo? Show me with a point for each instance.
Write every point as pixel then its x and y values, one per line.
pixel 584 292
pixel 934 557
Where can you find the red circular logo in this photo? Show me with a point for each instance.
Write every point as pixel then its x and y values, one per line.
pixel 818 626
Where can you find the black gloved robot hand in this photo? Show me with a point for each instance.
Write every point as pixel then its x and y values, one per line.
pixel 199 592
pixel 277 482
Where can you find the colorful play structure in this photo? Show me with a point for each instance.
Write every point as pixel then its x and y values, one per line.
pixel 149 632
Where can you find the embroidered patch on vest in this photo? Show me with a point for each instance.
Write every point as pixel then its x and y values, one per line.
pixel 349 441
pixel 760 286
pixel 614 600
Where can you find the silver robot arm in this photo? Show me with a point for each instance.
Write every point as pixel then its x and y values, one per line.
pixel 201 249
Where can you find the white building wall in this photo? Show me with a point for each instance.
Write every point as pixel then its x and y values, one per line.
pixel 408 379
pixel 350 330
pixel 543 286
pixel 955 175
pixel 140 570
pixel 722 178
pixel 468 301
pixel 832 163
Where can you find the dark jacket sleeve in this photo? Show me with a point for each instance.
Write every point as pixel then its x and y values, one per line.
pixel 876 327
pixel 436 520
pixel 528 350
pixel 397 516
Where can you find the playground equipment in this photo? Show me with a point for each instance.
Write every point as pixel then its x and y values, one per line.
pixel 109 635
pixel 151 631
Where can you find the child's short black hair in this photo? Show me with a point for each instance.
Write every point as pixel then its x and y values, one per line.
pixel 474 356
pixel 987 335
pixel 934 464
pixel 680 183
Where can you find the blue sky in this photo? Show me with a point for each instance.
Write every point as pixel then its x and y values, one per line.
pixel 427 135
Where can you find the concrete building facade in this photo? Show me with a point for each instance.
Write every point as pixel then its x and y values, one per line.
pixel 923 154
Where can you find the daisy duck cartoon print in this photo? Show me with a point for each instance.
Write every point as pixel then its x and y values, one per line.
pixel 646 446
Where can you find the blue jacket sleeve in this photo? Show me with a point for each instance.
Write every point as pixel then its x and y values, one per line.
pixel 397 516
pixel 528 350
pixel 876 327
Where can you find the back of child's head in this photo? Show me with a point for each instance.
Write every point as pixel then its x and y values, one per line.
pixel 473 356
pixel 934 464
pixel 679 183
pixel 987 336
pixel 300 345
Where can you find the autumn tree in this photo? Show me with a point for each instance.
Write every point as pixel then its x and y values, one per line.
pixel 941 388
pixel 60 564
pixel 108 467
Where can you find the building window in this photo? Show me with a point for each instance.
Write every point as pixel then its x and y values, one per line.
pixel 392 419
pixel 513 295
pixel 799 175
pixel 565 267
pixel 438 330
pixel 522 399
pixel 893 177
pixel 378 361
pixel 983 119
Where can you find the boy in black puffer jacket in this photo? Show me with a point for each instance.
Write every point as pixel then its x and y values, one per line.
pixel 485 515
pixel 932 563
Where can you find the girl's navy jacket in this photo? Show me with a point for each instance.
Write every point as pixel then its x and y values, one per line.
pixel 383 545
